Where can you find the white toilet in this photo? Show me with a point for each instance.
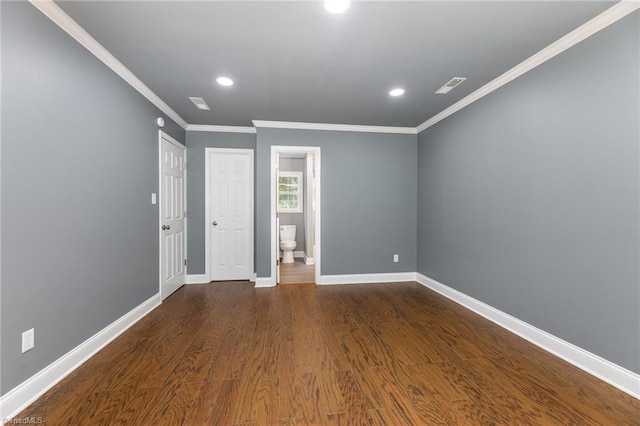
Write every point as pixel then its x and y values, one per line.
pixel 287 242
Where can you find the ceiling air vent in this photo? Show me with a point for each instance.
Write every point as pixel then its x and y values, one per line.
pixel 200 103
pixel 450 85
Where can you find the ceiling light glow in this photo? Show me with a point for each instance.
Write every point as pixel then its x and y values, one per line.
pixel 224 81
pixel 336 6
pixel 396 92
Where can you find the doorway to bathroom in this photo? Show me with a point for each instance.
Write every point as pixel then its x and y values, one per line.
pixel 295 214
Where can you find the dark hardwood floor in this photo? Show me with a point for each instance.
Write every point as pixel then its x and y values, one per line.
pixel 387 354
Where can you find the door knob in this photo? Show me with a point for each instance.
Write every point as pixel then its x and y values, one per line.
pixel 166 227
pixel 215 223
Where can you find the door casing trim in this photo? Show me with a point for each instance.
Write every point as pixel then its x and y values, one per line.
pixel 275 150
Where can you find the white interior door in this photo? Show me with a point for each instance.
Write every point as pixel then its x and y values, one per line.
pixel 172 218
pixel 230 214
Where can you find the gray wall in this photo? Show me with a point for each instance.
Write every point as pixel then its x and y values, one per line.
pixel 295 165
pixel 368 199
pixel 79 164
pixel 196 143
pixel 529 198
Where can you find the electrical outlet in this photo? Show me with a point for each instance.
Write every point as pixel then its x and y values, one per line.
pixel 28 340
pixel 396 258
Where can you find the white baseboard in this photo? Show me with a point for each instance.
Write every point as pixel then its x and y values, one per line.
pixel 623 379
pixel 17 399
pixel 265 282
pixel 196 279
pixel 309 260
pixel 367 278
pixel 203 279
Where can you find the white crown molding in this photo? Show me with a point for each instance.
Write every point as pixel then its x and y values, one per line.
pixel 367 278
pixel 64 21
pixel 220 129
pixel 606 18
pixel 334 127
pixel 625 380
pixel 17 399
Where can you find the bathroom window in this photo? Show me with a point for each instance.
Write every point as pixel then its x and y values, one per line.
pixel 290 192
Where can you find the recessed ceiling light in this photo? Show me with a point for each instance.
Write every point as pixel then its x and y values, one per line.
pixel 224 81
pixel 396 92
pixel 450 85
pixel 200 103
pixel 336 6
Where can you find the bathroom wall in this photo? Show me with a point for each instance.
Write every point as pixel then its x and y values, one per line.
pixel 295 165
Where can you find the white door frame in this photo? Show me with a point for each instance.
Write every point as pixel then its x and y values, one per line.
pixel 163 135
pixel 208 270
pixel 275 151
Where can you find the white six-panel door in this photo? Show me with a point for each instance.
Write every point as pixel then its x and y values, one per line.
pixel 229 191
pixel 172 218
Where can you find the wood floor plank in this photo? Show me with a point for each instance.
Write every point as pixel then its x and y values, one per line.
pixel 336 419
pixel 297 273
pixel 390 354
pixel 161 402
pixel 483 412
pixel 138 401
pixel 222 410
pixel 108 406
pixel 70 391
pixel 202 407
pixel 278 329
pixel 408 408
pixel 354 400
pixel 530 393
pixel 249 384
pixel 598 408
pixel 360 368
pixel 178 407
pixel 430 396
pixel 306 400
pixel 387 416
pixel 82 410
pixel 268 401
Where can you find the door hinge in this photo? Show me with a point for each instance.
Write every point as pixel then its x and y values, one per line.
pixel 185 262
